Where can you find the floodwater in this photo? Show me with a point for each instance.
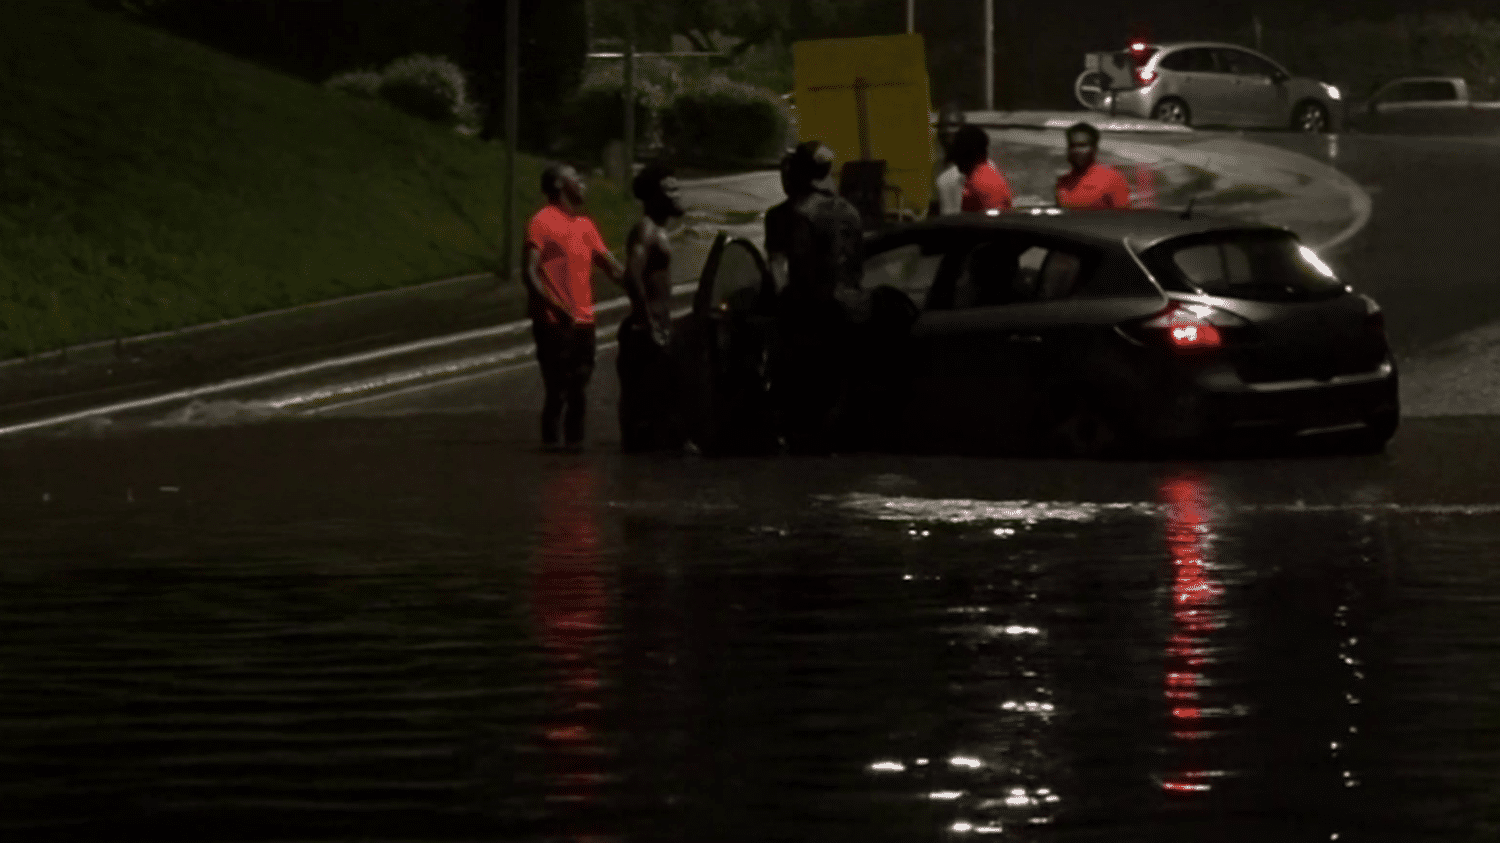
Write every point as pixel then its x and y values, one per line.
pixel 417 628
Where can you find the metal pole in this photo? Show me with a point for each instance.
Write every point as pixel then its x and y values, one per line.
pixel 989 55
pixel 509 253
pixel 629 96
pixel 911 16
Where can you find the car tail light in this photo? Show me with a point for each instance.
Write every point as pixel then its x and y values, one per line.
pixel 1140 57
pixel 1190 327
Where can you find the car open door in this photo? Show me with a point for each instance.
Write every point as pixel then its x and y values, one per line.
pixel 723 350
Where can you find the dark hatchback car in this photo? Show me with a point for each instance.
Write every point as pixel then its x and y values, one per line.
pixel 1084 333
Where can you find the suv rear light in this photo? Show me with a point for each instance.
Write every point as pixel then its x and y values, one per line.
pixel 1189 327
pixel 1140 59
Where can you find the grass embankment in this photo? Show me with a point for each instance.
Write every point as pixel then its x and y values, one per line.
pixel 149 183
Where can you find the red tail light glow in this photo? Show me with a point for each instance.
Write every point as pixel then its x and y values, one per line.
pixel 1192 327
pixel 1140 57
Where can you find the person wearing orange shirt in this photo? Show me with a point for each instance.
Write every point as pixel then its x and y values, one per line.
pixel 984 188
pixel 1089 184
pixel 562 248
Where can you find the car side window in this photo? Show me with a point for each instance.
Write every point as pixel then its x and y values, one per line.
pixel 904 267
pixel 1429 90
pixel 1059 276
pixel 987 277
pixel 1400 92
pixel 1242 63
pixel 1434 90
pixel 1214 265
pixel 1191 60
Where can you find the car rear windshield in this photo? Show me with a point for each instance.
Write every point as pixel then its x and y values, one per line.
pixel 1254 265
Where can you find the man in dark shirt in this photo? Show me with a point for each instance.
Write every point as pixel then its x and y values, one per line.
pixel 821 299
pixel 643 363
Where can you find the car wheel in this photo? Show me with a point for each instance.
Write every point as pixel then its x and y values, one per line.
pixel 1172 110
pixel 1310 117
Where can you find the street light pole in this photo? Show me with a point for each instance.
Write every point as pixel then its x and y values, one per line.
pixel 989 55
pixel 911 16
pixel 509 264
pixel 629 96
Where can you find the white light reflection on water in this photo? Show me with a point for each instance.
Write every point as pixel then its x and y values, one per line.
pixel 969 511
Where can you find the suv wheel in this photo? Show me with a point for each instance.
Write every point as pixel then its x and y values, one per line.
pixel 1310 117
pixel 1172 110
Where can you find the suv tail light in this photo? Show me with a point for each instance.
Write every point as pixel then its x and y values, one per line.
pixel 1140 57
pixel 1188 327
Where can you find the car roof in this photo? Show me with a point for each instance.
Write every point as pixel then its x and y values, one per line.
pixel 1139 229
pixel 1178 45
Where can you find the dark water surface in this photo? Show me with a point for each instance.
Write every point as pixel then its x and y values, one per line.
pixel 417 629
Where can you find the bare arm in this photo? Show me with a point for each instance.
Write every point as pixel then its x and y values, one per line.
pixel 611 266
pixel 778 264
pixel 531 274
pixel 635 275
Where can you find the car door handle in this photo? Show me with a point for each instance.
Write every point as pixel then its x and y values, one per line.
pixel 1023 338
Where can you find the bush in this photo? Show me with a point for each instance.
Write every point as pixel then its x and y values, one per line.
pixel 430 87
pixel 721 122
pixel 359 83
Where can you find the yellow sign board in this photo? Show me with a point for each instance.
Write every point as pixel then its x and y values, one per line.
pixel 867 98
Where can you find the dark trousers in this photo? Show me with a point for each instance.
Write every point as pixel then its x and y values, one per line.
pixel 565 354
pixel 647 393
pixel 809 369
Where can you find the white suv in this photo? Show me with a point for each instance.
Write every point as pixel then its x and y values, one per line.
pixel 1205 83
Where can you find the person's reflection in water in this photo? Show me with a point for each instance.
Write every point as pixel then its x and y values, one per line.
pixel 1195 596
pixel 570 606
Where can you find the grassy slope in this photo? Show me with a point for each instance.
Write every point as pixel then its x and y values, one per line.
pixel 149 183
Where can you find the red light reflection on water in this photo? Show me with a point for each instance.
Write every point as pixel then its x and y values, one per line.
pixel 570 606
pixel 1145 178
pixel 1194 594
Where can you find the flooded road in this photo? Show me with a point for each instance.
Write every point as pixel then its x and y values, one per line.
pixel 417 628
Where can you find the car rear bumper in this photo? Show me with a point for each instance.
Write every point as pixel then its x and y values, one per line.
pixel 1307 407
pixel 1132 102
pixel 1213 404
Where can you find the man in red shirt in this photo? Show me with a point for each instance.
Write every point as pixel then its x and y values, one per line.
pixel 1089 184
pixel 562 248
pixel 984 188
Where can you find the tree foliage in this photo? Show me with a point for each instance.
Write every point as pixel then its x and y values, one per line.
pixel 316 39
